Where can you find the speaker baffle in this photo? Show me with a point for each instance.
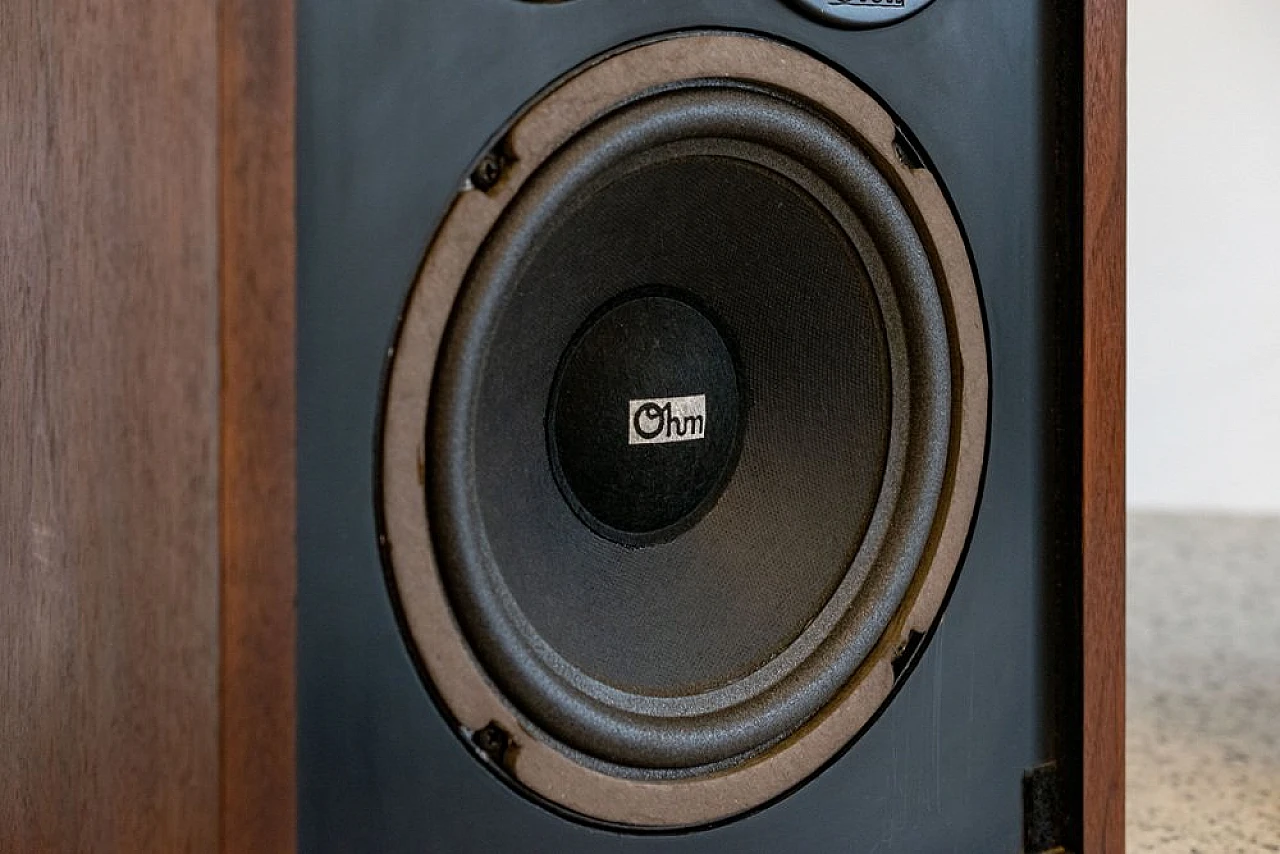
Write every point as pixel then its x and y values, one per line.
pixel 683 431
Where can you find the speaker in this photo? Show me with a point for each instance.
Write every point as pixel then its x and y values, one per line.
pixel 693 427
pixel 562 425
pixel 683 430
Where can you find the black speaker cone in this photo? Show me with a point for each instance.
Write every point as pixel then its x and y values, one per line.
pixel 642 426
pixel 694 647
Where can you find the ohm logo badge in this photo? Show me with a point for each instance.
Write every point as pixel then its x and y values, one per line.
pixel 667 419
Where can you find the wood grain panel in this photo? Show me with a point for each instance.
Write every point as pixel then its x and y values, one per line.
pixel 108 428
pixel 1103 530
pixel 257 465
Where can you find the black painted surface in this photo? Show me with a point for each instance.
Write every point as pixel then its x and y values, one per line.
pixel 397 98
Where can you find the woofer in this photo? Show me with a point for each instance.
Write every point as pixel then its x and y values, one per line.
pixel 674 238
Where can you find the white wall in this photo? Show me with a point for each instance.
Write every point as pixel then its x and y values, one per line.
pixel 1204 254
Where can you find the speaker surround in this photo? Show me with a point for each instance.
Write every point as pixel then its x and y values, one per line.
pixel 682 741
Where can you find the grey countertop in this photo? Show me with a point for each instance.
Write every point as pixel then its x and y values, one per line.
pixel 1203 731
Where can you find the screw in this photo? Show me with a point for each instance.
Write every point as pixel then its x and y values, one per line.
pixel 906 151
pixel 905 652
pixel 493 742
pixel 487 172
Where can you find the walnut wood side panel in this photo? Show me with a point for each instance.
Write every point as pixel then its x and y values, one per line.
pixel 257 464
pixel 146 426
pixel 1103 527
pixel 108 426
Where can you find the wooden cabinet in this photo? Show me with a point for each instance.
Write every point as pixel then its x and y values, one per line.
pixel 147 504
pixel 146 425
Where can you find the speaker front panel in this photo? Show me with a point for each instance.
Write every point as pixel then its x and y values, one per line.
pixel 673 618
pixel 652 371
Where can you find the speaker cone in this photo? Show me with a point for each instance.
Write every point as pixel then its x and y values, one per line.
pixel 683 430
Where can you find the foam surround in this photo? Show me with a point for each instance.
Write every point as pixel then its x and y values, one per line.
pixel 666 611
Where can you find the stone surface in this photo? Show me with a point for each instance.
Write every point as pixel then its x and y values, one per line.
pixel 1203 732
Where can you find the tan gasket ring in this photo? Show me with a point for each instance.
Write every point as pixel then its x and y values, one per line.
pixel 471 698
